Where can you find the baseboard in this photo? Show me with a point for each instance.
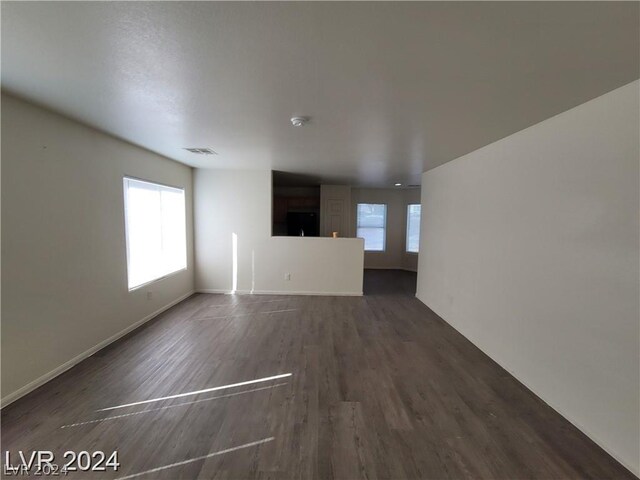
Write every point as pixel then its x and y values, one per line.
pixel 545 400
pixel 302 292
pixel 392 268
pixel 31 386
pixel 214 290
pixel 280 292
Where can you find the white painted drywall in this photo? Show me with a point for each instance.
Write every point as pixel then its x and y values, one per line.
pixel 396 200
pixel 228 202
pixel 529 248
pixel 64 266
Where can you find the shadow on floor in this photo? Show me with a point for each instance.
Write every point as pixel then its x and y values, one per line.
pixel 389 282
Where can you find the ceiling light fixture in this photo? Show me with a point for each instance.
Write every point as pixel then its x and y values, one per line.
pixel 398 184
pixel 299 121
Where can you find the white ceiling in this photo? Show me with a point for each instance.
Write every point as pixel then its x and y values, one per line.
pixel 392 89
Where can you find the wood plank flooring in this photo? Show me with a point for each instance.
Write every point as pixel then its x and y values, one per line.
pixel 380 388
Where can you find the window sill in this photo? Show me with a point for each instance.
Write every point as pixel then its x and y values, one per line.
pixel 146 284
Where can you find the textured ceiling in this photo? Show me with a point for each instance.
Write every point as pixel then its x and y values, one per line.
pixel 392 89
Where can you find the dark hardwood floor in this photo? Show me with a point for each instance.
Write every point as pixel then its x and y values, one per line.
pixel 379 387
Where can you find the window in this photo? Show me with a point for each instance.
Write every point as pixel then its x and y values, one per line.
pixel 372 225
pixel 156 231
pixel 413 228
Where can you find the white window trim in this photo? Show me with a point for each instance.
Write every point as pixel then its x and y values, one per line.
pixel 126 230
pixel 146 284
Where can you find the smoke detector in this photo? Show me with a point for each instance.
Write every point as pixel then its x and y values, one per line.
pixel 299 121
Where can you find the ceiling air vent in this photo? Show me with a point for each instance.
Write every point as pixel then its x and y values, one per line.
pixel 201 151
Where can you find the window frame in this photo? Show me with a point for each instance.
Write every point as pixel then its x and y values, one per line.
pixel 126 229
pixel 406 231
pixel 384 227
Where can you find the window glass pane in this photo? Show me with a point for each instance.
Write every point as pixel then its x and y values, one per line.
pixel 371 215
pixel 373 238
pixel 371 225
pixel 413 228
pixel 156 231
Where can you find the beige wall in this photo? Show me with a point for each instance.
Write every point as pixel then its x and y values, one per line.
pixel 395 255
pixel 64 267
pixel 239 202
pixel 529 248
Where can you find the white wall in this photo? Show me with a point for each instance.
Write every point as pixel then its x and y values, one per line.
pixel 64 267
pixel 239 202
pixel 529 248
pixel 396 200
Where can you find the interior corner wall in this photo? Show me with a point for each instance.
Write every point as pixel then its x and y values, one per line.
pixel 396 200
pixel 64 265
pixel 236 252
pixel 530 248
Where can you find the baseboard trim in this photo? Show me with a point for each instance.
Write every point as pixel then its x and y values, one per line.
pixel 279 292
pixel 545 400
pixel 31 386
pixel 392 268
pixel 214 290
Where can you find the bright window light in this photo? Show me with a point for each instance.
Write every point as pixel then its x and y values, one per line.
pixel 372 226
pixel 413 228
pixel 156 230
